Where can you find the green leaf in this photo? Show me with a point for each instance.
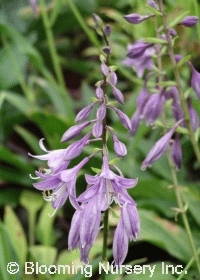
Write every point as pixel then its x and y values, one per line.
pixel 18 101
pixel 29 138
pixel 96 170
pixel 167 83
pixel 31 201
pixel 154 40
pixel 114 161
pixel 165 234
pixel 8 255
pixel 183 60
pixel 55 11
pixel 177 19
pixel 153 11
pixel 44 255
pixel 45 230
pixel 16 234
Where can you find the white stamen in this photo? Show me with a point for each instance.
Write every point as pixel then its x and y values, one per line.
pixel 34 178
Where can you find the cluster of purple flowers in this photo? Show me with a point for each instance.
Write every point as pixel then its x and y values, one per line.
pixel 58 181
pixel 149 106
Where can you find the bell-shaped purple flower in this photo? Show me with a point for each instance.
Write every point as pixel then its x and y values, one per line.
pixel 137 49
pixel 176 152
pixel 74 131
pixel 136 18
pixel 159 148
pixel 128 228
pixel 141 63
pixel 59 159
pixel 189 21
pixel 103 189
pixel 195 80
pixel 153 107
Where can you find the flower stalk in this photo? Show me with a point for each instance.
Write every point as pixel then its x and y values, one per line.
pixel 178 84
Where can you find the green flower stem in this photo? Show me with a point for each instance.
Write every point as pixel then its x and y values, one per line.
pixel 82 24
pixel 179 86
pixel 188 266
pixel 52 47
pixel 173 170
pixel 196 7
pixel 182 210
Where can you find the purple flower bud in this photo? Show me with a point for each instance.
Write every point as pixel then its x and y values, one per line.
pixel 178 57
pixel 97 129
pixel 104 69
pixel 33 4
pixel 135 120
pixel 119 147
pixel 101 112
pixel 99 92
pixel 107 30
pixel 195 80
pixel 124 119
pixel 152 4
pixel 153 107
pixel 189 21
pixel 96 18
pixel 106 50
pixel 137 49
pixel 193 116
pixel 84 113
pixel 113 78
pixel 136 18
pixel 74 131
pixel 117 94
pixel 172 32
pixel 159 148
pixel 76 148
pixel 176 152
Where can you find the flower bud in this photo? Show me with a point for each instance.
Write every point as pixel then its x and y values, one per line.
pixel 113 78
pixel 101 112
pixel 189 21
pixel 97 129
pixel 117 94
pixel 136 18
pixel 119 147
pixel 124 119
pixel 99 92
pixel 84 113
pixel 137 49
pixel 195 80
pixel 104 69
pixel 74 131
pixel 107 30
pixel 176 152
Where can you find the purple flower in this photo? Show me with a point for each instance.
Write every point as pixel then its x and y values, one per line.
pixel 84 113
pixel 189 21
pixel 176 152
pixel 117 94
pixel 137 49
pixel 74 131
pixel 99 92
pixel 127 228
pixel 153 107
pixel 136 18
pixel 141 63
pixel 33 4
pixel 58 187
pixel 59 159
pixel 159 148
pixel 137 116
pixel 119 147
pixel 195 80
pixel 97 129
pixel 124 119
pixel 103 189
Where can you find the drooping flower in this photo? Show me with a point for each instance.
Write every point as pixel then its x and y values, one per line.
pixel 176 152
pixel 59 159
pixel 103 189
pixel 128 228
pixel 159 148
pixel 141 63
